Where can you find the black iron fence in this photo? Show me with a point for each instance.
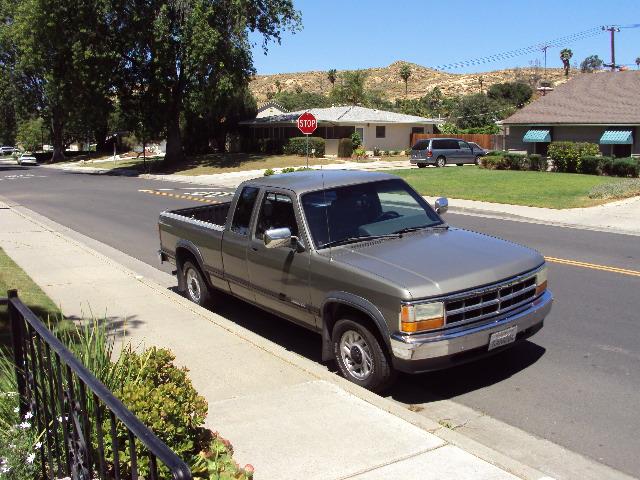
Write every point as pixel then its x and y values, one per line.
pixel 81 420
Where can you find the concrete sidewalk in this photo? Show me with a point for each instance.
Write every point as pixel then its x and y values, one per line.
pixel 285 414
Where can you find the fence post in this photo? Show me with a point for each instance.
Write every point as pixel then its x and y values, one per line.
pixel 17 324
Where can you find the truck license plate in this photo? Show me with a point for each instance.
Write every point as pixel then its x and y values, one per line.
pixel 504 337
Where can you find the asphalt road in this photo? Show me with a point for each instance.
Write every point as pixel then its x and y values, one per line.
pixel 576 383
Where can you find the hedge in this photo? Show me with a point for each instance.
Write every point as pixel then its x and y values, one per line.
pixel 567 155
pixel 298 146
pixel 345 148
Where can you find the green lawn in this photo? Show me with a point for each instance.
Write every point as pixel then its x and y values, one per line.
pixel 535 189
pixel 12 276
pixel 221 163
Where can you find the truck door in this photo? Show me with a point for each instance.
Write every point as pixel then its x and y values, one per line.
pixel 235 243
pixel 280 275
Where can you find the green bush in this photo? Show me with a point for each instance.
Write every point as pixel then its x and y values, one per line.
pixel 268 172
pixel 567 155
pixel 515 161
pixel 164 399
pixel 616 190
pixel 298 146
pixel 269 145
pixel 360 152
pixel 605 166
pixel 356 141
pixel 345 148
pixel 537 163
pixel 625 167
pixel 589 165
pixel 493 162
pixel 496 153
pixel 288 170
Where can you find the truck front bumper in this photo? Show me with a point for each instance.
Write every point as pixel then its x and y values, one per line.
pixel 435 351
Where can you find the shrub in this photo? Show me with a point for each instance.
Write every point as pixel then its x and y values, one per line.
pixel 288 170
pixel 268 172
pixel 356 141
pixel 537 163
pixel 377 152
pixel 605 166
pixel 493 162
pixel 625 167
pixel 345 148
pixel 496 153
pixel 298 146
pixel 515 161
pixel 589 165
pixel 621 189
pixel 360 152
pixel 567 155
pixel 164 399
pixel 269 145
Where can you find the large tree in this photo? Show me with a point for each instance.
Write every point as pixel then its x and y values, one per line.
pixel 565 56
pixel 590 64
pixel 515 93
pixel 176 49
pixel 405 73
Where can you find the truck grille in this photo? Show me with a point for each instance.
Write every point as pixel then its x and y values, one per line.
pixel 490 302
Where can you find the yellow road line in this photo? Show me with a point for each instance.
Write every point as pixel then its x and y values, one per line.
pixel 182 197
pixel 594 266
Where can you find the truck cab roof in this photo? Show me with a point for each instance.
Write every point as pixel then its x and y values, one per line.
pixel 312 180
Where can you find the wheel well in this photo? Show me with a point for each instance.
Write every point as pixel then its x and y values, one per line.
pixel 336 311
pixel 183 255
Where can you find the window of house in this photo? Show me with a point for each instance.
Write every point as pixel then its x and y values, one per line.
pixel 381 131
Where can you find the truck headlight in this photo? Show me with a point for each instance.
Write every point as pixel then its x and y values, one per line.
pixel 541 281
pixel 420 317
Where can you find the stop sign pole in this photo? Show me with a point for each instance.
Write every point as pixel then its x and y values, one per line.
pixel 307 124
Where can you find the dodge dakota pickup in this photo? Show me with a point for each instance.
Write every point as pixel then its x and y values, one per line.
pixel 364 260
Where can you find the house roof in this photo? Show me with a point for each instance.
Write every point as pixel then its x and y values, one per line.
pixel 271 104
pixel 345 115
pixel 606 98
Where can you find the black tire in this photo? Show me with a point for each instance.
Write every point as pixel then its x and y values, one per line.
pixel 478 158
pixel 196 288
pixel 441 162
pixel 380 374
pixel 422 165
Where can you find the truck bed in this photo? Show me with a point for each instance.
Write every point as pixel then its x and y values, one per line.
pixel 215 214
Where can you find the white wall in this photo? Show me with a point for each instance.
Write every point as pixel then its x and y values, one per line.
pixel 397 137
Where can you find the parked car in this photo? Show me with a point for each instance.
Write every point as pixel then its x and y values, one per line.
pixel 27 159
pixel 362 259
pixel 443 151
pixel 6 150
pixel 478 150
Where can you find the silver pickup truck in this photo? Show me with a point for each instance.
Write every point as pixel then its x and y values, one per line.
pixel 365 261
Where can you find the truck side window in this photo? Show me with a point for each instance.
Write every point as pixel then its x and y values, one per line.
pixel 244 207
pixel 276 212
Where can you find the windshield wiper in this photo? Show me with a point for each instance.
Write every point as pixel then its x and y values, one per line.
pixel 421 227
pixel 346 241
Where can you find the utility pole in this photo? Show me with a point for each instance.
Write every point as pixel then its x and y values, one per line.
pixel 612 29
pixel 544 48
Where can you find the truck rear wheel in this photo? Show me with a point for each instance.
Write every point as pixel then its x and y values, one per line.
pixel 195 285
pixel 360 357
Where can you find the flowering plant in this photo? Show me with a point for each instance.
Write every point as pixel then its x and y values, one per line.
pixel 19 447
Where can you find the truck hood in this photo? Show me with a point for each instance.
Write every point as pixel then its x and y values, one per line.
pixel 435 262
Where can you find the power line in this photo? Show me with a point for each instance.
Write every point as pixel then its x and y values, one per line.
pixel 558 42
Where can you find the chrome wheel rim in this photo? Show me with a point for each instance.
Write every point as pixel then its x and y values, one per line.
pixel 356 355
pixel 440 162
pixel 193 285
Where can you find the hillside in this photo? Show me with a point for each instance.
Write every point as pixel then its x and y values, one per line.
pixel 388 81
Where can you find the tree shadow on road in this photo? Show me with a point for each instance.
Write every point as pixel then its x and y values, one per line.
pixel 450 383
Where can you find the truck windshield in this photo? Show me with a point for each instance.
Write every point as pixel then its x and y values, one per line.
pixel 366 210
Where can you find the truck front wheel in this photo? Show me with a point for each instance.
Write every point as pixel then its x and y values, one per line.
pixel 196 288
pixel 360 356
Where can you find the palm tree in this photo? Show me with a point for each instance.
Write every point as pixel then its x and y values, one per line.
pixel 638 62
pixel 405 73
pixel 331 75
pixel 565 56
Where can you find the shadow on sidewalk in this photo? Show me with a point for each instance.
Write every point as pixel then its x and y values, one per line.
pixel 450 383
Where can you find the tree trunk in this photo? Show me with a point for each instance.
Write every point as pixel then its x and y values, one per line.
pixel 57 136
pixel 174 154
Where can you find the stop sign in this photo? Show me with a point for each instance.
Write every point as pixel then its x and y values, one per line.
pixel 307 123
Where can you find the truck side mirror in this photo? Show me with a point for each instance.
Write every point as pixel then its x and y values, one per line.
pixel 442 205
pixel 277 237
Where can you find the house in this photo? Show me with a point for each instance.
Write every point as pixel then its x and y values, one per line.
pixel 602 108
pixel 377 128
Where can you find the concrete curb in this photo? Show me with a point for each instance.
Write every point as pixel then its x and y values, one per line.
pixel 316 370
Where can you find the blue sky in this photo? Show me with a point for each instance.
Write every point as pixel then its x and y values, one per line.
pixel 350 34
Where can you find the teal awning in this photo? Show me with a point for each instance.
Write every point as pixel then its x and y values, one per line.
pixel 616 137
pixel 537 136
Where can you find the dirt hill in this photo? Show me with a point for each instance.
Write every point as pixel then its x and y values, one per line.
pixel 422 80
